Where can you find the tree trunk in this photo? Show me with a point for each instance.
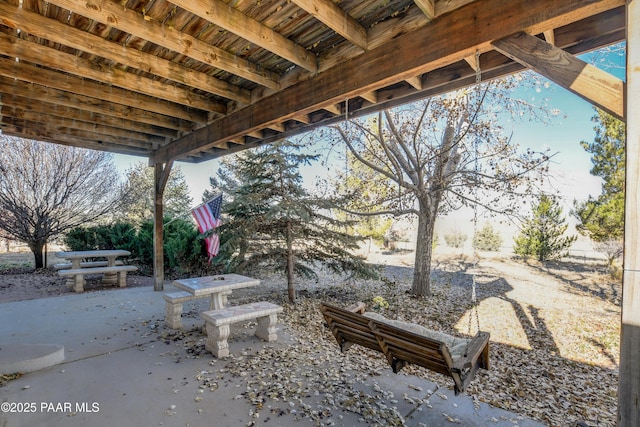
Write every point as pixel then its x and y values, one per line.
pixel 290 265
pixel 36 249
pixel 424 247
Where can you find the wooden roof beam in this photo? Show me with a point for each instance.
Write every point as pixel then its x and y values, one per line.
pixel 494 64
pixel 278 127
pixel 114 15
pixel 222 145
pixel 303 119
pixel 258 134
pixel 416 82
pixel 55 31
pixel 428 7
pixel 24 131
pixel 333 108
pixel 588 82
pixel 550 37
pixel 370 96
pixel 46 108
pixel 233 20
pixel 52 120
pixel 48 130
pixel 38 93
pixel 337 19
pixel 32 74
pixel 346 80
pixel 473 61
pixel 76 65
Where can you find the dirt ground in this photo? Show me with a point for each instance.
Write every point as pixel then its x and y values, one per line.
pixel 19 281
pixel 554 326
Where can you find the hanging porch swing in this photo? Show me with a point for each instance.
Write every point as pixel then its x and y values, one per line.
pixel 405 343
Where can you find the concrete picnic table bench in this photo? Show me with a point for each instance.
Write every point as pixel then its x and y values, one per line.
pixel 218 322
pixel 76 268
pixel 220 317
pixel 216 288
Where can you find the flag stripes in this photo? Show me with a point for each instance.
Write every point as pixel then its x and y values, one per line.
pixel 207 217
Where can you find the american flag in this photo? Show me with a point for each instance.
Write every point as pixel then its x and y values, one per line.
pixel 213 245
pixel 207 217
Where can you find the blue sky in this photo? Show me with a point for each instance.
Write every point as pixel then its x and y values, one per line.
pixel 570 167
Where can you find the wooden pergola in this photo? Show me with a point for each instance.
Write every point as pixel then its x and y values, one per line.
pixel 194 80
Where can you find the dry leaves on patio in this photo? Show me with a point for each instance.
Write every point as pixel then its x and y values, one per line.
pixel 535 370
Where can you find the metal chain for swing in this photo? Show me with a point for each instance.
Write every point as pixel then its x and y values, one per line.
pixel 474 298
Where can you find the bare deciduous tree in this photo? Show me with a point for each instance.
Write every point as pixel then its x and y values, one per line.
pixel 46 189
pixel 440 155
pixel 138 198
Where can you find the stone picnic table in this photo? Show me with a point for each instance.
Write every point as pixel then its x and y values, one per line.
pixel 78 268
pixel 217 287
pixel 219 318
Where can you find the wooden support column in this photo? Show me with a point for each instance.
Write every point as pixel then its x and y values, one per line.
pixel 629 386
pixel 161 176
pixel 629 383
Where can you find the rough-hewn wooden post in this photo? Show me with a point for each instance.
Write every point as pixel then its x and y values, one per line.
pixel 161 175
pixel 629 384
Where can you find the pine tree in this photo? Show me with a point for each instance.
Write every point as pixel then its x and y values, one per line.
pixel 271 221
pixel 602 218
pixel 455 238
pixel 542 235
pixel 487 239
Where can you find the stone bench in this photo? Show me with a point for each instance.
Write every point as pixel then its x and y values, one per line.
pixel 218 321
pixel 79 273
pixel 173 303
pixel 83 264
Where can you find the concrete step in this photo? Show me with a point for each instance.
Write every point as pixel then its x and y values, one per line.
pixel 29 357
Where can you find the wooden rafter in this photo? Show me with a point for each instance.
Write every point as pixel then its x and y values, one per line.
pixel 45 109
pixel 333 108
pixel 60 132
pixel 167 72
pixel 370 96
pixel 428 7
pixel 25 130
pixel 337 19
pixel 111 14
pixel 330 86
pixel 231 19
pixel 68 63
pixel 46 95
pixel 57 32
pixel 473 61
pixel 54 121
pixel 550 36
pixel 70 83
pixel 416 82
pixel 585 80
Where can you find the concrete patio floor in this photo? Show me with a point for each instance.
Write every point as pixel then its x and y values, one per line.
pixel 120 371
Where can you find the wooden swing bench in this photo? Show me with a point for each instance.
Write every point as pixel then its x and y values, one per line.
pixel 403 343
